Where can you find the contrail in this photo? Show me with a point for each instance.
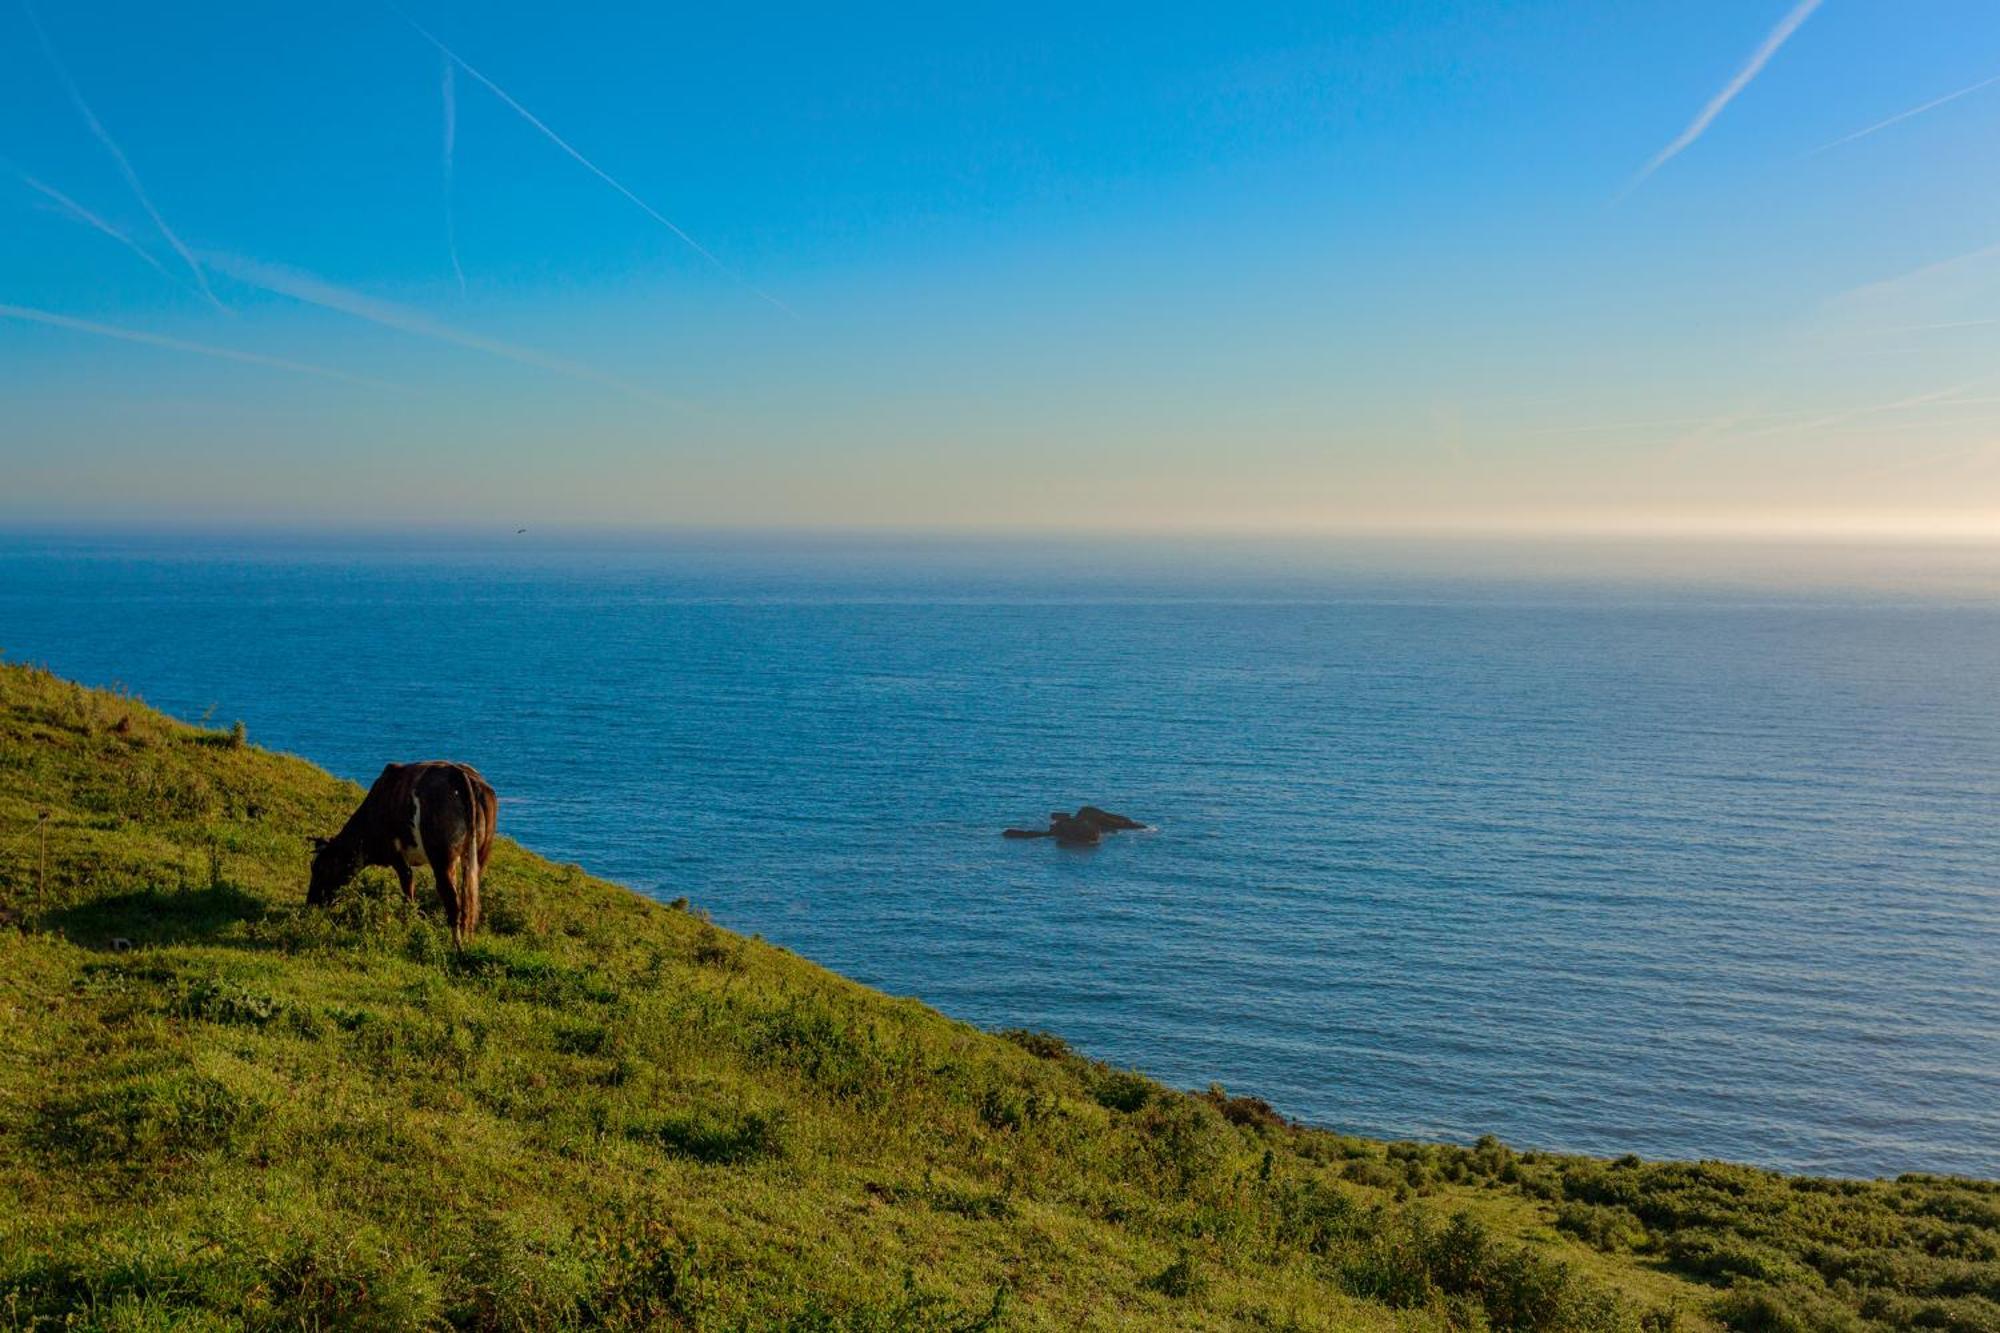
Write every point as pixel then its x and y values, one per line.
pixel 592 167
pixel 1884 286
pixel 1941 327
pixel 117 153
pixel 450 147
pixel 1950 393
pixel 1902 116
pixel 54 320
pixel 78 213
pixel 316 291
pixel 1761 57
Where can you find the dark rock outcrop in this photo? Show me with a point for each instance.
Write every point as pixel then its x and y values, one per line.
pixel 1074 832
pixel 1085 828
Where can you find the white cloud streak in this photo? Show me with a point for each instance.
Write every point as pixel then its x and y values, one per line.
pixel 1761 57
pixel 1902 116
pixel 450 148
pixel 117 154
pixel 318 292
pixel 28 314
pixel 76 212
pixel 1953 395
pixel 596 170
pixel 1889 288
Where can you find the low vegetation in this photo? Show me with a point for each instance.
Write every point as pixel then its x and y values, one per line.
pixel 219 1109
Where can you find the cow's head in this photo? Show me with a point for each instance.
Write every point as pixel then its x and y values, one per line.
pixel 336 860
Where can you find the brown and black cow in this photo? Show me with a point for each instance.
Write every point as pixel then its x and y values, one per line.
pixel 435 812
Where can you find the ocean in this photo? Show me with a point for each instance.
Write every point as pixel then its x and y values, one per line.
pixel 1627 852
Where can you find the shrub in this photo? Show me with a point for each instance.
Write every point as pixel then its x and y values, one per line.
pixel 1410 1262
pixel 718 1136
pixel 529 974
pixel 1249 1112
pixel 512 1278
pixel 1760 1308
pixel 714 949
pixel 1611 1229
pixel 1183 1141
pixel 1374 1174
pixel 580 1038
pixel 1179 1279
pixel 916 1311
pixel 1045 1045
pixel 1312 1215
pixel 340 1279
pixel 979 1205
pixel 1122 1090
pixel 1723 1258
pixel 214 1000
pixel 807 1037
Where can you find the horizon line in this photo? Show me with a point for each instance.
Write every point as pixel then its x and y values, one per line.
pixel 1968 529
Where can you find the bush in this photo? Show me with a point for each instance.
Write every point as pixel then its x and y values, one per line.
pixel 1723 1259
pixel 1179 1279
pixel 529 974
pixel 717 1136
pixel 979 1205
pixel 1374 1174
pixel 581 1038
pixel 809 1038
pixel 1759 1308
pixel 345 1280
pixel 1044 1045
pixel 1248 1112
pixel 214 1000
pixel 1412 1263
pixel 1183 1141
pixel 1313 1216
pixel 1013 1109
pixel 1122 1090
pixel 1611 1229
pixel 714 949
pixel 512 1278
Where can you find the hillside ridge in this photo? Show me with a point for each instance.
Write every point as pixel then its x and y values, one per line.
pixel 220 1109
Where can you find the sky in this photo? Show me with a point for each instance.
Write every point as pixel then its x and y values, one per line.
pixel 1718 267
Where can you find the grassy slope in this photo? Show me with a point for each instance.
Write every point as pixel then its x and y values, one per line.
pixel 611 1112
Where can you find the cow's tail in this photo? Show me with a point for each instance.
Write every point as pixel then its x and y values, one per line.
pixel 468 865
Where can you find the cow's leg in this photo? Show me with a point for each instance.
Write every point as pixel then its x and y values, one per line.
pixel 408 877
pixel 441 867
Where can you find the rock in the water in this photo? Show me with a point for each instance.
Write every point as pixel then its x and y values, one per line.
pixel 1076 832
pixel 1085 828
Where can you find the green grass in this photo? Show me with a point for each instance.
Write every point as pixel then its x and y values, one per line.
pixel 220 1109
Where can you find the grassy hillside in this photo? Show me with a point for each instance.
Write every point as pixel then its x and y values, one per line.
pixel 611 1113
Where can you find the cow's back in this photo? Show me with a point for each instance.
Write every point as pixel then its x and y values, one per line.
pixel 387 812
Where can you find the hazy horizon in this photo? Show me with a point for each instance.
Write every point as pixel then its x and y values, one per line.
pixel 1085 566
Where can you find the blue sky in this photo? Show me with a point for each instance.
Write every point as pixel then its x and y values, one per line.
pixel 1247 268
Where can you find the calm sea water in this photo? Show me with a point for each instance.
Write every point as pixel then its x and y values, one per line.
pixel 1646 864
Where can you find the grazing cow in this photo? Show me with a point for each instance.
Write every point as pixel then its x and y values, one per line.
pixel 436 812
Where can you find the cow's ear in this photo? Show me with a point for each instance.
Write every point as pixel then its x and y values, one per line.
pixel 318 844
